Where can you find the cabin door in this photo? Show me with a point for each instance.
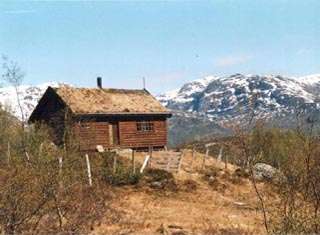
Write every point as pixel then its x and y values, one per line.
pixel 114 133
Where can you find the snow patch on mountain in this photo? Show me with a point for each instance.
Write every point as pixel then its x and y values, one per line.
pixel 232 97
pixel 28 97
pixel 216 98
pixel 310 79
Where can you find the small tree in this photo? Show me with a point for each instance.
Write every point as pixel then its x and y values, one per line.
pixel 14 75
pixel 38 194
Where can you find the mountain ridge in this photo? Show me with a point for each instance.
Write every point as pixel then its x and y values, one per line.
pixel 29 95
pixel 222 97
pixel 208 106
pixel 205 106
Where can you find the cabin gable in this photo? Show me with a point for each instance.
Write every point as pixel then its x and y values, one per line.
pixel 51 111
pixel 108 117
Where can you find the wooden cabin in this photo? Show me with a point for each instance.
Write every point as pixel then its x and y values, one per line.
pixel 111 118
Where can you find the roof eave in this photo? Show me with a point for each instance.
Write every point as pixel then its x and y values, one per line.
pixel 168 114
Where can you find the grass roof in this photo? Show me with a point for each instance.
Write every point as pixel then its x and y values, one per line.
pixel 109 101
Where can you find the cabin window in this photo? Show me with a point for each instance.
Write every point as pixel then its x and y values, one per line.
pixel 145 126
pixel 84 125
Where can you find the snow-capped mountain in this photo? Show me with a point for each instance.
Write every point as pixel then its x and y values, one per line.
pixel 28 97
pixel 230 98
pixel 311 79
pixel 205 105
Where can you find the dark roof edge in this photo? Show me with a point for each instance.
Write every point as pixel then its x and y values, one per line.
pixel 35 110
pixel 169 114
pixel 106 89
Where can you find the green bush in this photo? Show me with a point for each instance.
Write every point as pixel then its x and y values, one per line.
pixel 160 180
pixel 158 175
pixel 210 172
pixel 122 175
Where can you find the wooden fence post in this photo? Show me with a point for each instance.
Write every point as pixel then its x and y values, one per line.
pixel 40 149
pixel 28 156
pixel 150 155
pixel 204 159
pixel 8 153
pixel 60 172
pixel 220 154
pixel 192 158
pixel 60 166
pixel 57 197
pixel 180 162
pixel 114 163
pixel 169 163
pixel 226 161
pixel 89 170
pixel 144 163
pixel 133 162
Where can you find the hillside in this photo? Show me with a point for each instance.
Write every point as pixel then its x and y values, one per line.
pixel 193 204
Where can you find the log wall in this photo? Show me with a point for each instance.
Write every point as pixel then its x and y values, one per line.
pixel 93 133
pixel 130 137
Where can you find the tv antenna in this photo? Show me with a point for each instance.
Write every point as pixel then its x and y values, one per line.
pixel 144 83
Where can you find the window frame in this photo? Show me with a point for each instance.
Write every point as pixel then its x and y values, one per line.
pixel 145 126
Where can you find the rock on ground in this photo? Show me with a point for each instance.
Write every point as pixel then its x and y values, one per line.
pixel 262 171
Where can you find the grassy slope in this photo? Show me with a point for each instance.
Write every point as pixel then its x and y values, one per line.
pixel 232 206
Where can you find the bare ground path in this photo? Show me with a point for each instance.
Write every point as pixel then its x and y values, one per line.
pixel 143 210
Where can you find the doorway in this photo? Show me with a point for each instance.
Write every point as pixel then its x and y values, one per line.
pixel 114 133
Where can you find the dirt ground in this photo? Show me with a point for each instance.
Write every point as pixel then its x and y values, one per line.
pixel 201 208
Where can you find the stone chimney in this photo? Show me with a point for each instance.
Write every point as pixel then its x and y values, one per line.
pixel 99 82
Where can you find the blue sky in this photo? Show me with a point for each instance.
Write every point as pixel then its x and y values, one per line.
pixel 168 42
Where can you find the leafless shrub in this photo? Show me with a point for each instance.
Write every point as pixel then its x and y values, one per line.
pixel 295 153
pixel 161 181
pixel 13 75
pixel 215 229
pixel 188 186
pixel 210 171
pixel 36 194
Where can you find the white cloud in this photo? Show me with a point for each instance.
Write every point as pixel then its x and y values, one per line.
pixel 18 12
pixel 231 60
pixel 160 82
pixel 303 51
